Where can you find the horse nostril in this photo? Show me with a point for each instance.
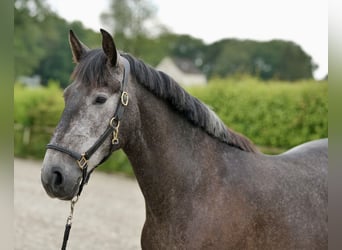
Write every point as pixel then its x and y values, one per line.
pixel 57 178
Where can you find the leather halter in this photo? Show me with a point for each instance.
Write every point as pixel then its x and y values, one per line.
pixel 113 128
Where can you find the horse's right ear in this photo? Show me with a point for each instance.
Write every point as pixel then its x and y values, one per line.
pixel 78 49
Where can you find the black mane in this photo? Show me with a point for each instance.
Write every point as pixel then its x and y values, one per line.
pixel 93 70
pixel 193 109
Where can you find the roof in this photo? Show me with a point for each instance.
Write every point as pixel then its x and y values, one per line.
pixel 186 65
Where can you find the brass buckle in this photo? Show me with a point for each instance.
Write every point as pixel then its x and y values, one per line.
pixel 82 162
pixel 124 98
pixel 115 139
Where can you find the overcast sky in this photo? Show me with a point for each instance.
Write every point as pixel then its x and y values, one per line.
pixel 304 22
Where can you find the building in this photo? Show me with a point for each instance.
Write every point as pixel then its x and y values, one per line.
pixel 30 81
pixel 182 71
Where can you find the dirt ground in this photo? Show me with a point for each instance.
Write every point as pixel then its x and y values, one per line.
pixel 109 215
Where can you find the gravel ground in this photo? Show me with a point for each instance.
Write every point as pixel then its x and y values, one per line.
pixel 109 215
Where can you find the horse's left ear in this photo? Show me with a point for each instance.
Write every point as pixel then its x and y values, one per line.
pixel 109 47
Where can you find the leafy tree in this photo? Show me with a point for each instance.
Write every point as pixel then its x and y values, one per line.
pixel 275 59
pixel 128 17
pixel 28 36
pixel 41 42
pixel 131 21
pixel 41 45
pixel 58 64
pixel 35 8
pixel 282 60
pixel 296 64
pixel 188 47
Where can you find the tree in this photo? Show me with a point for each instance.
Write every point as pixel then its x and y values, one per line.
pixel 274 59
pixel 127 17
pixel 41 42
pixel 131 22
pixel 28 36
pixel 41 45
pixel 35 8
pixel 57 64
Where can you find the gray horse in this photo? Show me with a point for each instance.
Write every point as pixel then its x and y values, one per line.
pixel 205 186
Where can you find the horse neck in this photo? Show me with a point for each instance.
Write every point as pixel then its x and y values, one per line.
pixel 168 154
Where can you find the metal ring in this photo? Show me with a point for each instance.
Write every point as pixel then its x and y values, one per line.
pixel 124 98
pixel 112 121
pixel 115 141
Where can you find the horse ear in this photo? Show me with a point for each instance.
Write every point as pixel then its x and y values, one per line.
pixel 109 47
pixel 78 49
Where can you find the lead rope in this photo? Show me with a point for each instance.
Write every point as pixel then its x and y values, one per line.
pixel 72 205
pixel 69 223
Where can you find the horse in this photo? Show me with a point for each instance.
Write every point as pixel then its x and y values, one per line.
pixel 204 185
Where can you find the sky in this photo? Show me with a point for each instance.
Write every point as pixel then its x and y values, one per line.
pixel 304 22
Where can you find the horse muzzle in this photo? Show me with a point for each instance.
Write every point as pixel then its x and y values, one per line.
pixel 59 183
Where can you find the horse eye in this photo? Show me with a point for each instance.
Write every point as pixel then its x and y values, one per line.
pixel 100 100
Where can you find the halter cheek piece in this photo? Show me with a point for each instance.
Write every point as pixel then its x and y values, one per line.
pixel 82 159
pixel 113 128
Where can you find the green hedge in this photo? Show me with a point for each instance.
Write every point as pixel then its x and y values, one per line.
pixel 271 114
pixel 36 113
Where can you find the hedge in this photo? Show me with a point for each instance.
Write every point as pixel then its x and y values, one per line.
pixel 36 113
pixel 271 114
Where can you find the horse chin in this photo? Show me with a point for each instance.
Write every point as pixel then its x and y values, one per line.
pixel 66 196
pixel 62 196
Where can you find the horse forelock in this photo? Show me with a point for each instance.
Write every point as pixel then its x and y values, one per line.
pixel 92 69
pixel 164 87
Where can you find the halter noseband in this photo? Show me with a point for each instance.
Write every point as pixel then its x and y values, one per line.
pixel 113 128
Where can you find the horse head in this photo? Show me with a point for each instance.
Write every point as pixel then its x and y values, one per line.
pixel 88 131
